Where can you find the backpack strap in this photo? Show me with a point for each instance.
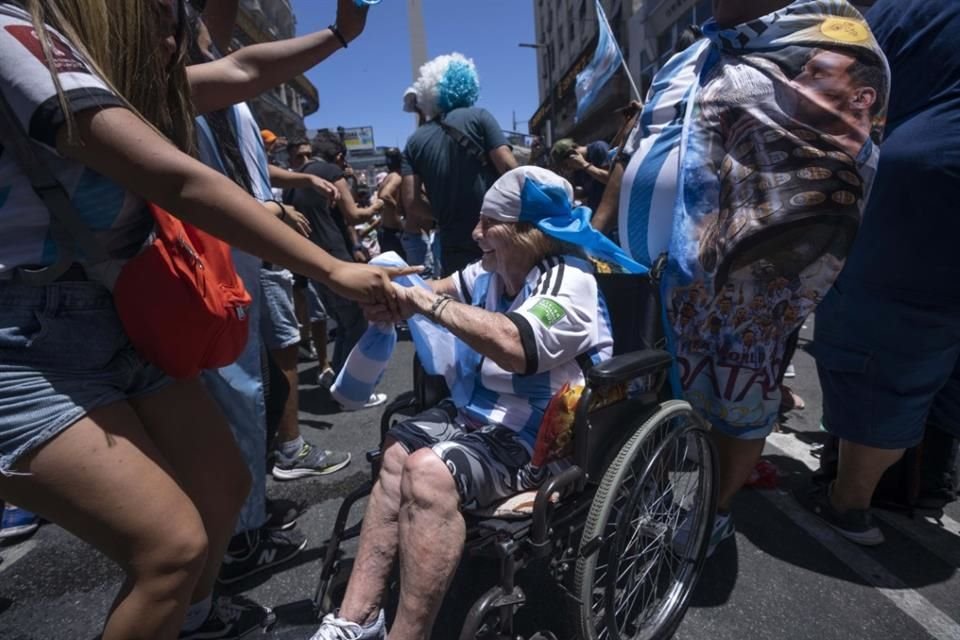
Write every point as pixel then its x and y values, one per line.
pixel 468 144
pixel 67 227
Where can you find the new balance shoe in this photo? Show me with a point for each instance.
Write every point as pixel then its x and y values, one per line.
pixel 723 528
pixel 252 552
pixel 232 617
pixel 17 523
pixel 309 461
pixel 334 628
pixel 282 514
pixel 855 525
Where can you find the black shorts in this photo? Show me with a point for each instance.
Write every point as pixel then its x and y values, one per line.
pixel 487 463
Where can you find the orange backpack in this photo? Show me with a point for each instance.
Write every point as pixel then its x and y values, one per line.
pixel 181 302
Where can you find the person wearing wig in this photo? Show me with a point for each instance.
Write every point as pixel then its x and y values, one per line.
pixel 454 156
pixel 92 437
pixel 524 317
pixel 748 173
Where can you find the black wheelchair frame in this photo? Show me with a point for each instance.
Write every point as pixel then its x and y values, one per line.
pixel 620 494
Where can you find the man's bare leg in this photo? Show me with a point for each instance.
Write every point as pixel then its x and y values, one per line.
pixel 736 459
pixel 858 473
pixel 432 534
pixel 378 540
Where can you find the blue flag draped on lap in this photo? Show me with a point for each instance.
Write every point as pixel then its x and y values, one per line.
pixel 604 64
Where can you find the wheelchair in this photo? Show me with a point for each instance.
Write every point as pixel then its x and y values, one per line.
pixel 603 532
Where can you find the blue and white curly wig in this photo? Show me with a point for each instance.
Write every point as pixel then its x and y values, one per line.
pixel 445 83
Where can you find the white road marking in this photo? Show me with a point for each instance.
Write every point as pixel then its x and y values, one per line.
pixel 16 554
pixel 938 624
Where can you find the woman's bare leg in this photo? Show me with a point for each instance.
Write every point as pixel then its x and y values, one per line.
pixel 104 480
pixel 193 436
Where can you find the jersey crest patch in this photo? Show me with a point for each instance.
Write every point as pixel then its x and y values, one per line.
pixel 65 60
pixel 548 312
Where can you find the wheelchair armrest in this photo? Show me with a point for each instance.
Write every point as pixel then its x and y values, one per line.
pixel 629 366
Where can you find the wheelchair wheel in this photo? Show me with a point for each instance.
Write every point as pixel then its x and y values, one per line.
pixel 635 574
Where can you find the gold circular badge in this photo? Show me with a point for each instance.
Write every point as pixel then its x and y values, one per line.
pixel 844 30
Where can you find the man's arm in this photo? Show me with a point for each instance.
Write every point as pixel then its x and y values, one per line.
pixel 415 207
pixel 389 191
pixel 577 162
pixel 250 71
pixel 607 210
pixel 502 158
pixel 293 180
pixel 352 213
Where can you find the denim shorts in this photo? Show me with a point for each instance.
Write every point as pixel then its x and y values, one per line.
pixel 63 353
pixel 278 320
pixel 886 366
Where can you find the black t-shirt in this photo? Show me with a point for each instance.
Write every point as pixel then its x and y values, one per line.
pixel 454 180
pixel 328 228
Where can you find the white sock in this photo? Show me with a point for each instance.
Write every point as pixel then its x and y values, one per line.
pixel 197 614
pixel 292 448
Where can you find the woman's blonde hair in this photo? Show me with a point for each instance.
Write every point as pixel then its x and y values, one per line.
pixel 539 245
pixel 122 41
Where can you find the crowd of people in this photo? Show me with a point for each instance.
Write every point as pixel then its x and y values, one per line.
pixel 777 134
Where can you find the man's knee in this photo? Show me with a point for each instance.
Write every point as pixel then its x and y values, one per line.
pixel 427 481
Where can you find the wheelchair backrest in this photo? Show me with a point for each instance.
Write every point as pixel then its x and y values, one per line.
pixel 633 302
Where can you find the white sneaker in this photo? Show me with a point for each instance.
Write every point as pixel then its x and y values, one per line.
pixel 790 372
pixel 326 377
pixel 334 628
pixel 375 400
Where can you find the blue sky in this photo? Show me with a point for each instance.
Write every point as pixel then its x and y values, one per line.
pixel 364 84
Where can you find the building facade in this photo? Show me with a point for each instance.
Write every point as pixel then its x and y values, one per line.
pixel 283 108
pixel 566 32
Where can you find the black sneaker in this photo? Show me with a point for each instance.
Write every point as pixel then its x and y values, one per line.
pixel 232 617
pixel 855 525
pixel 252 552
pixel 282 514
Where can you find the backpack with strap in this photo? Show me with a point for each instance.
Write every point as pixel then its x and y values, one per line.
pixel 180 300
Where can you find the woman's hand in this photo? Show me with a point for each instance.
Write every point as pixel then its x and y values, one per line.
pixel 407 302
pixel 369 285
pixel 351 19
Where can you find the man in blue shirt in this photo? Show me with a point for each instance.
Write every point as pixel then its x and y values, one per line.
pixel 887 338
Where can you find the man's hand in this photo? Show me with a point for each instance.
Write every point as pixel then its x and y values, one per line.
pixel 325 188
pixel 351 19
pixel 296 221
pixel 575 162
pixel 368 285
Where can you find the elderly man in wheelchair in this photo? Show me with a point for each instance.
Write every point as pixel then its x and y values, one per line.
pixel 532 332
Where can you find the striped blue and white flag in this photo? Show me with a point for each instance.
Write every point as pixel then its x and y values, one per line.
pixel 604 64
pixel 436 347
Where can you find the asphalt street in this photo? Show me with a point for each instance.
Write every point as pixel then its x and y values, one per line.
pixel 784 575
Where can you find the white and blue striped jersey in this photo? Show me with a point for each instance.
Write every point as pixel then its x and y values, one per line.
pixel 564 327
pixel 648 191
